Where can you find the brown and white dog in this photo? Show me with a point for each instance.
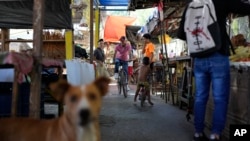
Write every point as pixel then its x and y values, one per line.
pixel 79 122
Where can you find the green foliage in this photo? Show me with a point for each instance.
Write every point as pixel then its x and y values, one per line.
pixel 241 26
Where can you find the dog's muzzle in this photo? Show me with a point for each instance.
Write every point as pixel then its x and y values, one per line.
pixel 85 117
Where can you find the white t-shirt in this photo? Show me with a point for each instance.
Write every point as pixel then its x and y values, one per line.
pixel 130 64
pixel 134 53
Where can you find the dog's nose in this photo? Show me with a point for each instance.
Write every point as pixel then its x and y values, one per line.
pixel 84 116
pixel 84 113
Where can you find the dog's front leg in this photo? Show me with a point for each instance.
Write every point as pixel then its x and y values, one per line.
pixel 97 131
pixel 90 133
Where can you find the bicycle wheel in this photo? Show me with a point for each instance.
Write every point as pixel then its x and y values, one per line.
pixel 124 83
pixel 125 91
pixel 142 102
pixel 143 98
pixel 119 83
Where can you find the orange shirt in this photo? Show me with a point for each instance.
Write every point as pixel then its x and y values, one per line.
pixel 150 48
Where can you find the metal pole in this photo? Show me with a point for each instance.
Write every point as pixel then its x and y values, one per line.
pixel 97 25
pixel 166 65
pixel 168 69
pixel 35 90
pixel 91 31
pixel 163 64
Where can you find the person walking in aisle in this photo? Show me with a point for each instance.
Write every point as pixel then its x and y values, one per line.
pixel 99 57
pixel 214 69
pixel 133 58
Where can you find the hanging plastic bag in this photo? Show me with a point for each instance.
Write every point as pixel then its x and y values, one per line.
pixel 101 70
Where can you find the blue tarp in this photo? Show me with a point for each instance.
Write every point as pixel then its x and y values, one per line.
pixel 114 2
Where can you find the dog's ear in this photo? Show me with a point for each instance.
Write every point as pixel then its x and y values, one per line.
pixel 102 83
pixel 58 89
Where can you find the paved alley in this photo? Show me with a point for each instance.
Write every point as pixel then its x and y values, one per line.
pixel 124 120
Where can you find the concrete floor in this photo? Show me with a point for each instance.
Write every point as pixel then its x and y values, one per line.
pixel 122 119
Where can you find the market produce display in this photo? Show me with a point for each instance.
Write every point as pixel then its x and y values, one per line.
pixel 242 54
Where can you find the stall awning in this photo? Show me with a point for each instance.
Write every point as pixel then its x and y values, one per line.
pixel 19 14
pixel 115 27
pixel 114 2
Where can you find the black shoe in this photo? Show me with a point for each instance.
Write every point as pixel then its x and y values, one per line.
pixel 201 137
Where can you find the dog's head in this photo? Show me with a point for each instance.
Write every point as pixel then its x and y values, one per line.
pixel 82 103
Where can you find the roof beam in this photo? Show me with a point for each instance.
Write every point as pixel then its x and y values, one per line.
pixel 109 9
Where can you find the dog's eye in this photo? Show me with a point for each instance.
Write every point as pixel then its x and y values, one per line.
pixel 91 96
pixel 73 98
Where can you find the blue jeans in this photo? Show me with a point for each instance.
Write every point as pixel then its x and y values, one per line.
pixel 214 70
pixel 124 64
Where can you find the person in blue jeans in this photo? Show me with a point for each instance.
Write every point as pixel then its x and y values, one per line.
pixel 214 70
pixel 121 56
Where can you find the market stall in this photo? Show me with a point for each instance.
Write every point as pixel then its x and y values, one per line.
pixel 15 82
pixel 238 111
pixel 180 76
pixel 239 103
pixel 39 15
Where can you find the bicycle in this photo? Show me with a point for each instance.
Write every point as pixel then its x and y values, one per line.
pixel 122 81
pixel 142 95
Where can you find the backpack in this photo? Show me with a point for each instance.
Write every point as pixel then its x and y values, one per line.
pixel 201 28
pixel 81 52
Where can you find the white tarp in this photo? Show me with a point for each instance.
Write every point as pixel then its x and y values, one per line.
pixel 79 72
pixel 19 46
pixel 175 47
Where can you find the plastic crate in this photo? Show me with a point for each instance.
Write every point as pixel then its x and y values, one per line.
pixel 23 97
pixel 6 99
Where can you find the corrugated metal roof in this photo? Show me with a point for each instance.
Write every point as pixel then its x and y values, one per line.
pixel 114 2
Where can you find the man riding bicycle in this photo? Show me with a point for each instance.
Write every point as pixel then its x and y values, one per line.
pixel 121 56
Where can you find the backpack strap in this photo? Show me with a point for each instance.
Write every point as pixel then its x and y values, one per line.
pixel 210 13
pixel 231 45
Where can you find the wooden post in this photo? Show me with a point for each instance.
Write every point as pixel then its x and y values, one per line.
pixel 15 94
pixel 5 34
pixel 5 47
pixel 35 87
